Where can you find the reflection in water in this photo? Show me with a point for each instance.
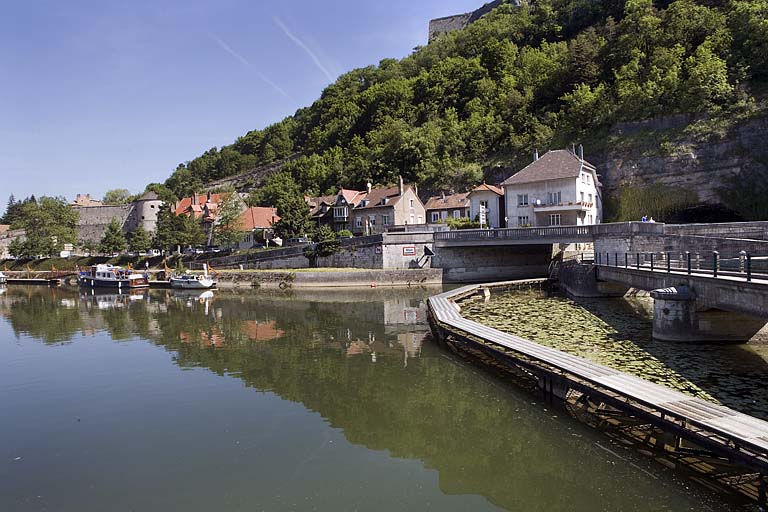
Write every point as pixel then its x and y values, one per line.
pixel 359 359
pixel 617 333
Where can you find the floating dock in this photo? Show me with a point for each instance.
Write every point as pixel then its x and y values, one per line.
pixel 714 431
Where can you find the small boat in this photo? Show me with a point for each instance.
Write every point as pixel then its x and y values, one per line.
pixel 3 279
pixel 189 281
pixel 109 276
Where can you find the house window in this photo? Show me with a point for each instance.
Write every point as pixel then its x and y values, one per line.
pixel 435 217
pixel 555 198
pixel 371 220
pixel 456 214
pixel 590 198
pixel 483 206
pixel 555 219
pixel 385 220
pixel 412 203
pixel 413 219
pixel 359 222
pixel 421 219
pixel 590 219
pixel 522 199
pixel 340 212
pixel 523 221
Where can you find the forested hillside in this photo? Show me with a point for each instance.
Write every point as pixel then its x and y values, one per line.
pixel 539 76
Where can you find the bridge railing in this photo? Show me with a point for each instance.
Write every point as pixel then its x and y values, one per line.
pixel 742 264
pixel 578 233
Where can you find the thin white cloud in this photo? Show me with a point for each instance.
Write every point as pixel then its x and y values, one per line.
pixel 250 66
pixel 306 49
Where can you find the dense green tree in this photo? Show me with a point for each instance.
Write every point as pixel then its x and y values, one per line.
pixel 169 229
pixel 118 196
pixel 228 228
pixel 140 240
pixel 49 224
pixel 113 241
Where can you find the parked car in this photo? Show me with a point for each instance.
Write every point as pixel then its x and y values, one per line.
pixel 297 241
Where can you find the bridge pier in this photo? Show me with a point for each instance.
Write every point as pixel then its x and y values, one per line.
pixel 677 318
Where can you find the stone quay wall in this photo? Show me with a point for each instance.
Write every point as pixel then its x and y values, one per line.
pixel 331 279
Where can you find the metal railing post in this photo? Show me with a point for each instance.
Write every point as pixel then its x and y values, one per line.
pixel 626 260
pixel 607 259
pixel 615 259
pixel 742 261
pixel 715 262
pixel 669 262
pixel 749 267
pixel 688 257
pixel 652 262
pixel 637 260
pixel 599 257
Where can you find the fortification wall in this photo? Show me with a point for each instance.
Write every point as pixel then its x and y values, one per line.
pixel 94 220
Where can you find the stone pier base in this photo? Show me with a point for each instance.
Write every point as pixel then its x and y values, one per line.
pixel 676 319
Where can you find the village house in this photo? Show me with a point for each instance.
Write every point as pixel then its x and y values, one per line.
pixel 560 188
pixel 335 211
pixel 257 224
pixel 443 207
pixel 204 208
pixel 490 199
pixel 384 208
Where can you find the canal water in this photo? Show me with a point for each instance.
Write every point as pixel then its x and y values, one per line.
pixel 617 333
pixel 332 400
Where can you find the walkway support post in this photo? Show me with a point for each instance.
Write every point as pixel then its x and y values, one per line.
pixel 669 262
pixel 626 260
pixel 688 257
pixel 749 267
pixel 715 262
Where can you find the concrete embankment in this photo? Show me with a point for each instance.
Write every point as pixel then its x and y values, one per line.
pixel 330 278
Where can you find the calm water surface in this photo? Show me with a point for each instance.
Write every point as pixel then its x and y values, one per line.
pixel 314 401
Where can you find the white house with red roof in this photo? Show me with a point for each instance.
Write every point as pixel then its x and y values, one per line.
pixel 490 199
pixel 257 223
pixel 560 188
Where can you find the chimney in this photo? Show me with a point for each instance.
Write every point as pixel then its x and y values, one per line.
pixel 369 187
pixel 194 198
pixel 535 154
pixel 401 185
pixel 209 196
pixel 442 195
pixel 581 152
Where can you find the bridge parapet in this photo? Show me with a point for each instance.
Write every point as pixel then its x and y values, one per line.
pixel 512 236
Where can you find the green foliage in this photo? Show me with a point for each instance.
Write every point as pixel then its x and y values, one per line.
pixel 228 229
pixel 282 192
pixel 49 224
pixel 118 196
pixel 326 244
pixel 113 240
pixel 344 233
pixel 463 223
pixel 140 241
pixel 536 76
pixel 657 201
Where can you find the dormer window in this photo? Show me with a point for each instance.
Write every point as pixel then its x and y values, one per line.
pixel 384 201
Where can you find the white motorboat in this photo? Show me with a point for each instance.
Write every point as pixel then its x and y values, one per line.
pixel 108 276
pixel 3 279
pixel 190 281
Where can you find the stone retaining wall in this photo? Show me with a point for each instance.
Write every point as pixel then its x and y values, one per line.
pixel 331 279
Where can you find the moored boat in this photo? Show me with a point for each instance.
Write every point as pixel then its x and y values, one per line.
pixel 109 276
pixel 189 281
pixel 3 279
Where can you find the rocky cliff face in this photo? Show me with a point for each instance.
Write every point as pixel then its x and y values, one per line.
pixel 660 152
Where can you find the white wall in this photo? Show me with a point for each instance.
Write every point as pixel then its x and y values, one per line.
pixel 570 192
pixel 494 215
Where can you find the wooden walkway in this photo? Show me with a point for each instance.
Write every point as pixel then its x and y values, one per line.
pixel 729 434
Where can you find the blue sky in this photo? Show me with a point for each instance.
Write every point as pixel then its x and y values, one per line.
pixel 97 95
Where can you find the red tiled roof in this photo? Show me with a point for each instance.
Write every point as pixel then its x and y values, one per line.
pixel 554 165
pixel 489 188
pixel 448 202
pixel 183 206
pixel 4 228
pixel 258 217
pixel 375 196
